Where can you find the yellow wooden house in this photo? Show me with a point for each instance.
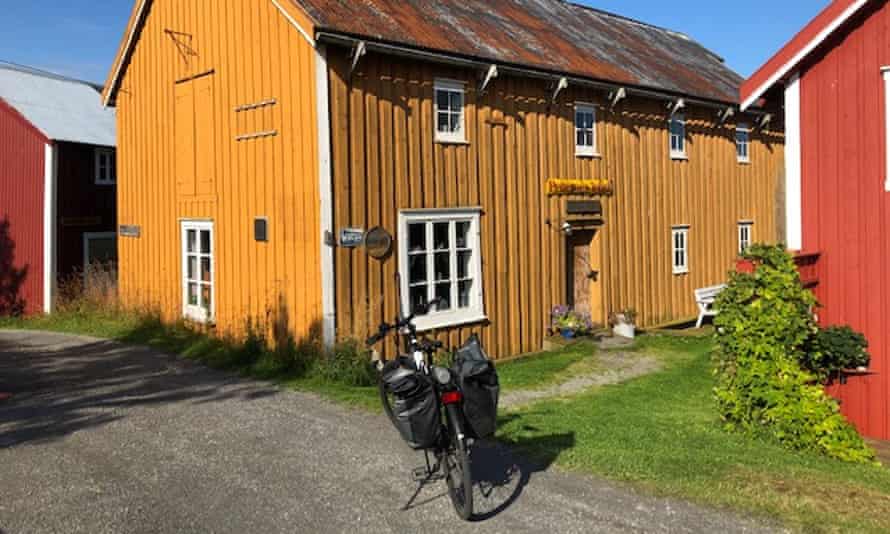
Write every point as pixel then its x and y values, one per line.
pixel 519 155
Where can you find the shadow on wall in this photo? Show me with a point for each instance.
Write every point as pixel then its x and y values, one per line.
pixel 11 278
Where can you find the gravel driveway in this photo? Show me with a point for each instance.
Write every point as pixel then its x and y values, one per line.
pixel 101 437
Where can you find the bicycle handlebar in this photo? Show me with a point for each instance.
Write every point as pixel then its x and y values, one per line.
pixel 386 328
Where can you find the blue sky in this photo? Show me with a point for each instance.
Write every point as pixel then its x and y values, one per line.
pixel 79 37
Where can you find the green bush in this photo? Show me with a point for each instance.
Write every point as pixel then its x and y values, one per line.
pixel 347 363
pixel 834 348
pixel 763 331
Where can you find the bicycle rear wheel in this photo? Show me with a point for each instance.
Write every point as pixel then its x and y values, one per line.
pixel 459 477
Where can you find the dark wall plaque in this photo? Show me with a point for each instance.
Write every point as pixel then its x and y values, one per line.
pixel 584 207
pixel 130 230
pixel 261 229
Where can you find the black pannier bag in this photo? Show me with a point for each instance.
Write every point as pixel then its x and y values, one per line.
pixel 415 407
pixel 478 381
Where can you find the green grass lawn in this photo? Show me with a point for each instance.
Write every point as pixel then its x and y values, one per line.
pixel 661 433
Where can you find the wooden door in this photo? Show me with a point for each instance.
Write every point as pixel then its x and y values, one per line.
pixel 583 279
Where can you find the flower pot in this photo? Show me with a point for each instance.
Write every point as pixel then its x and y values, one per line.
pixel 567 333
pixel 744 266
pixel 625 330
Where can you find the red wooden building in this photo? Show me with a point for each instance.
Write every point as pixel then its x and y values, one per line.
pixel 833 80
pixel 57 184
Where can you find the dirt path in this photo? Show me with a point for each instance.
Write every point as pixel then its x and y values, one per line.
pixel 614 367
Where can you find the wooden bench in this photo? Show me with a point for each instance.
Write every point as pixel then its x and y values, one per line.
pixel 705 298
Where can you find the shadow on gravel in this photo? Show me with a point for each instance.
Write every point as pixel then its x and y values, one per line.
pixel 62 388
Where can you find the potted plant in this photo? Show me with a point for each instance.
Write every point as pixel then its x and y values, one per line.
pixel 624 323
pixel 568 323
pixel 836 349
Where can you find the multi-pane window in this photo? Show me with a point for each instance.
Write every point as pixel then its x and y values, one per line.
pixel 585 130
pixel 450 111
pixel 743 143
pixel 106 166
pixel 197 270
pixel 678 137
pixel 745 228
pixel 439 260
pixel 680 249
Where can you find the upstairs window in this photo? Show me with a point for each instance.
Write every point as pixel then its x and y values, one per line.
pixel 678 137
pixel 743 143
pixel 745 228
pixel 680 245
pixel 106 166
pixel 450 112
pixel 585 130
pixel 439 258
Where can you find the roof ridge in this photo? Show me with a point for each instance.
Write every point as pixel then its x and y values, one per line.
pixel 34 71
pixel 625 18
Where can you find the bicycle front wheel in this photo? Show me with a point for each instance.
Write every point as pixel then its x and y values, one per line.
pixel 459 477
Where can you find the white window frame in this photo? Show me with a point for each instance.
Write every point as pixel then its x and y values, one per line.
pixel 197 312
pixel 456 316
pixel 885 73
pixel 680 263
pixel 109 166
pixel 746 157
pixel 450 86
pixel 89 236
pixel 675 153
pixel 586 151
pixel 746 235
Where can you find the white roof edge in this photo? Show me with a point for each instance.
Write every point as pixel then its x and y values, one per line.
pixel 112 84
pixel 804 52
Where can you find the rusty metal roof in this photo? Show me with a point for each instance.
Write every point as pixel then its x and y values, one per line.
pixel 553 35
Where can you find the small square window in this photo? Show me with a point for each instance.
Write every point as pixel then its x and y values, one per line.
pixel 743 143
pixel 678 137
pixel 449 110
pixel 585 130
pixel 105 166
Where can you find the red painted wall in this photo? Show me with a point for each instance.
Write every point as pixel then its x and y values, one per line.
pixel 846 211
pixel 22 150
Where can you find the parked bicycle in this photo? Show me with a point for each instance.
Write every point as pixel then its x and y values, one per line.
pixel 440 410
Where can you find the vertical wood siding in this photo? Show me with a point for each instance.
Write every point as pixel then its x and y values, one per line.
pixel 22 151
pixel 385 159
pixel 255 55
pixel 846 211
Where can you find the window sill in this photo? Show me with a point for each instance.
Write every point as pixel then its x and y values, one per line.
pixel 681 273
pixel 459 142
pixel 449 320
pixel 679 157
pixel 588 155
pixel 744 162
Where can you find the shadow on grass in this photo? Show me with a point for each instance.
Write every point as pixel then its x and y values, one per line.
pixel 502 468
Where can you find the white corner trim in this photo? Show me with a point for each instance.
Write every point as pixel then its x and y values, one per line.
pixel 885 72
pixel 325 192
pixel 294 23
pixel 793 194
pixel 804 52
pixel 50 169
pixel 130 36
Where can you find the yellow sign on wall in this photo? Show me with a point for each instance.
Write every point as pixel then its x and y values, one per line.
pixel 575 186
